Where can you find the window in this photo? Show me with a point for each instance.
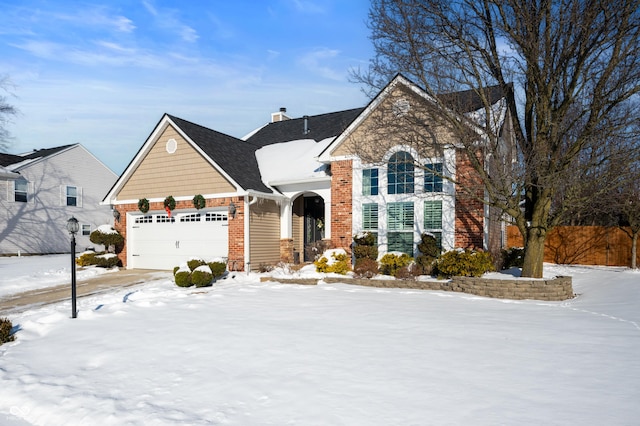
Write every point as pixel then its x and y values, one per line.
pixel 72 196
pixel 86 230
pixel 433 177
pixel 216 217
pixel 195 217
pixel 400 225
pixel 20 191
pixel 433 219
pixel 144 219
pixel 400 173
pixel 370 219
pixel 370 182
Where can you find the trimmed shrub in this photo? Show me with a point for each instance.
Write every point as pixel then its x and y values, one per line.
pixel 428 245
pixel 365 252
pixel 365 268
pixel 194 263
pixel 217 268
pixel 512 257
pixel 183 278
pixel 108 237
pixel 391 262
pixel 464 263
pixel 175 269
pixel 5 331
pixel 364 239
pixel 102 259
pixel 337 262
pixel 202 276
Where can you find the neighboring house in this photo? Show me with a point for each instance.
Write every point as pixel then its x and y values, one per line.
pixel 274 194
pixel 42 190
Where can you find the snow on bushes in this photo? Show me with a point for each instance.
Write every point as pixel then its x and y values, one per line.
pixel 333 261
pixel 198 272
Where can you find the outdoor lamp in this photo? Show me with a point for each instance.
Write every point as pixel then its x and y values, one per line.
pixel 232 210
pixel 116 214
pixel 73 226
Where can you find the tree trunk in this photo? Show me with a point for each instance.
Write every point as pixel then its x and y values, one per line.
pixel 534 254
pixel 634 250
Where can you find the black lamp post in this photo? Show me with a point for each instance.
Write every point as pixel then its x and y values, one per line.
pixel 73 227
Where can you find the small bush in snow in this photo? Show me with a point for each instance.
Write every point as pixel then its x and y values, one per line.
pixel 202 276
pixel 390 263
pixel 365 268
pixel 337 262
pixel 102 259
pixel 108 237
pixel 464 263
pixel 365 246
pixel 217 268
pixel 175 269
pixel 512 257
pixel 5 331
pixel 194 263
pixel 183 278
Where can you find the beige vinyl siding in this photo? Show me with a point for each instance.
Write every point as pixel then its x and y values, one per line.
pixel 297 226
pixel 381 130
pixel 183 173
pixel 264 231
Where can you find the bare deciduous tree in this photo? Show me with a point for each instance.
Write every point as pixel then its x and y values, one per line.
pixel 567 69
pixel 6 112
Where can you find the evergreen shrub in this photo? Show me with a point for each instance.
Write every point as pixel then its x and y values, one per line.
pixel 390 263
pixel 464 263
pixel 365 268
pixel 5 331
pixel 217 268
pixel 338 263
pixel 183 278
pixel 202 276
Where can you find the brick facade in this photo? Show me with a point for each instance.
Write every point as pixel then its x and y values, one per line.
pixel 236 226
pixel 469 205
pixel 341 204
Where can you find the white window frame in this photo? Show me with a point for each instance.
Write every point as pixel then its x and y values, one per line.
pixel 64 198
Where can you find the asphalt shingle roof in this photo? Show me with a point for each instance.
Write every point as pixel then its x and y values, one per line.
pixel 320 127
pixel 9 159
pixel 235 156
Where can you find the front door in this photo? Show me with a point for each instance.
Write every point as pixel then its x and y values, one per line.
pixel 313 227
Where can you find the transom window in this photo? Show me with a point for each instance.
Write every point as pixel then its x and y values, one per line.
pixel 433 177
pixel 163 218
pixel 144 219
pixel 370 182
pixel 195 217
pixel 216 217
pixel 86 229
pixel 400 218
pixel 400 173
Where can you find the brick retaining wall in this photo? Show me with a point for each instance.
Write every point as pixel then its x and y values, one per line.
pixel 556 289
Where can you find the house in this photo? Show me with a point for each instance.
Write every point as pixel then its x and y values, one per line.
pixel 42 190
pixel 292 187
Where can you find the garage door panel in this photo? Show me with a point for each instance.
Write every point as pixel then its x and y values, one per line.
pixel 157 242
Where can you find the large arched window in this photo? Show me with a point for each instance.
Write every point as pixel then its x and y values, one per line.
pixel 400 173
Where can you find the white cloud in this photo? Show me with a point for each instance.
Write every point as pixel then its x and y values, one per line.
pixel 318 62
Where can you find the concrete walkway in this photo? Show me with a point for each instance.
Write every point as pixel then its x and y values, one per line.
pixel 101 283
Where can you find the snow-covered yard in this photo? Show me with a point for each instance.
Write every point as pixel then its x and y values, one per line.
pixel 249 353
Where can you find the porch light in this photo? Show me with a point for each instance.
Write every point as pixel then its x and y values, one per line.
pixel 232 210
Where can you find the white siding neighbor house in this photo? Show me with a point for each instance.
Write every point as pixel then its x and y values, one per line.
pixel 40 190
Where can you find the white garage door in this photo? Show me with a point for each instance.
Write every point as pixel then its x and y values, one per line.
pixel 156 241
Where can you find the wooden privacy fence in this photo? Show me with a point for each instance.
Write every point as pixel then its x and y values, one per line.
pixel 582 245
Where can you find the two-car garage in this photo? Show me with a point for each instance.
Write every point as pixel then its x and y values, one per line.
pixel 157 241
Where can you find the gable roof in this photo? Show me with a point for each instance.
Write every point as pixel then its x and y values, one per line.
pixel 469 100
pixel 462 102
pixel 20 160
pixel 319 127
pixel 235 156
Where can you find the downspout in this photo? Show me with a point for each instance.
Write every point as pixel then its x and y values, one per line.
pixel 247 240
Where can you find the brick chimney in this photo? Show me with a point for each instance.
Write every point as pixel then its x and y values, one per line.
pixel 280 115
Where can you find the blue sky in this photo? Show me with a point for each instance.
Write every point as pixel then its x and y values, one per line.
pixel 103 73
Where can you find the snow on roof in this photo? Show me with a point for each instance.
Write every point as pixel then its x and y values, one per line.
pixel 291 161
